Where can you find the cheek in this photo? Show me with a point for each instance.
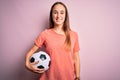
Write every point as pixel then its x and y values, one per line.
pixel 54 16
pixel 63 17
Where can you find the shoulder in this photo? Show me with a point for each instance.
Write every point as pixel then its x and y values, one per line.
pixel 73 33
pixel 46 31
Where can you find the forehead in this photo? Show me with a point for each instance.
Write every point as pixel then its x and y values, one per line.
pixel 59 7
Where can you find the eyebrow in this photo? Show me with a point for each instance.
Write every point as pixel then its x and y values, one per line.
pixel 60 10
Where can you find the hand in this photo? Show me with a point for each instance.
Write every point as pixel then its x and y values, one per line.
pixel 77 78
pixel 35 69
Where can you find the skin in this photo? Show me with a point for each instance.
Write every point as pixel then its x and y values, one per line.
pixel 29 65
pixel 77 64
pixel 58 16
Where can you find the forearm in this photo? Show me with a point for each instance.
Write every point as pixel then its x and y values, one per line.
pixel 30 52
pixel 77 65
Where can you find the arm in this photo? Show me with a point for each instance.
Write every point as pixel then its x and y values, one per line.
pixel 30 66
pixel 77 65
pixel 28 55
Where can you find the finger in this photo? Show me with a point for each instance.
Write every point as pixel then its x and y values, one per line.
pixel 36 62
pixel 37 69
pixel 40 70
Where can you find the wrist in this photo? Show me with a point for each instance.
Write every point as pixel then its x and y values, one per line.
pixel 77 78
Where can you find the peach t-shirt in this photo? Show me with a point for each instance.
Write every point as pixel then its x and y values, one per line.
pixel 62 63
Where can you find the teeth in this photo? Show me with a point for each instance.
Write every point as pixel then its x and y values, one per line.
pixel 58 19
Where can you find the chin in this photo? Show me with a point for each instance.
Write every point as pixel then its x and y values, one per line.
pixel 59 23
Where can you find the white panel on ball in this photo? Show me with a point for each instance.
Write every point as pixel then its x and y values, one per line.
pixel 43 58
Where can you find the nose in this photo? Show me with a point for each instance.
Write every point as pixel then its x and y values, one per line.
pixel 58 15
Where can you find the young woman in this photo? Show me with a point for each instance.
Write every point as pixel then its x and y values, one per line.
pixel 61 43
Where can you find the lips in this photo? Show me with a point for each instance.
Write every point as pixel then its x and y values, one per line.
pixel 58 20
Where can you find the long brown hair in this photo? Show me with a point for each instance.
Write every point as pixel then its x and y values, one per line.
pixel 66 25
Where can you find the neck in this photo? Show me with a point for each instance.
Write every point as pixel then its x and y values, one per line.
pixel 59 29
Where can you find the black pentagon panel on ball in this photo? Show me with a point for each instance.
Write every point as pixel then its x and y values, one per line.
pixel 32 59
pixel 42 57
pixel 40 67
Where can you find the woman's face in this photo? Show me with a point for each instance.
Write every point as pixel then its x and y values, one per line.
pixel 58 14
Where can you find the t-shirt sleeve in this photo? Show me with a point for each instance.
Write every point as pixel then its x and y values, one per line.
pixel 39 41
pixel 76 45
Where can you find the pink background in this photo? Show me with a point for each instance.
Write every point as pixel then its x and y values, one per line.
pixel 96 21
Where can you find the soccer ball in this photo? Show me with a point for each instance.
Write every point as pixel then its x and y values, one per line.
pixel 43 58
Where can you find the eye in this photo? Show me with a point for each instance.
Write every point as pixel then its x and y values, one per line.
pixel 54 12
pixel 62 12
